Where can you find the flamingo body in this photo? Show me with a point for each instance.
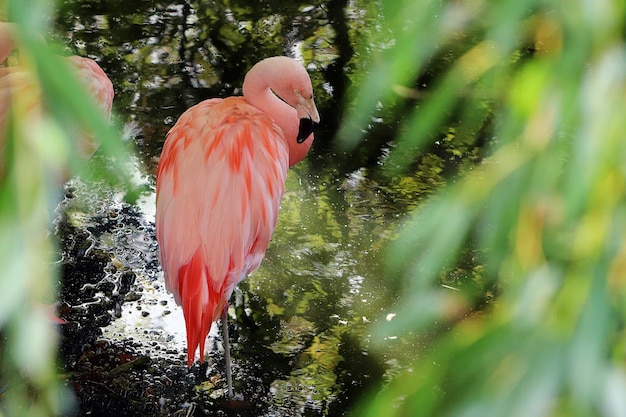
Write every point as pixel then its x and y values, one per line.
pixel 220 182
pixel 98 85
pixel 215 224
pixel 20 82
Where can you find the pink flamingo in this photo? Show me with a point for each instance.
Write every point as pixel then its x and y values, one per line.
pixel 220 181
pixel 20 81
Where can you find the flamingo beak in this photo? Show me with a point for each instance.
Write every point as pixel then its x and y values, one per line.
pixel 309 118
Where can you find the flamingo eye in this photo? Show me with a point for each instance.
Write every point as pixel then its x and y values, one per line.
pixel 297 92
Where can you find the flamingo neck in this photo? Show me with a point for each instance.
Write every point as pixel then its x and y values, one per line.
pixel 257 90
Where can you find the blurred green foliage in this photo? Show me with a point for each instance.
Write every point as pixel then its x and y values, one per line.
pixel 541 212
pixel 37 152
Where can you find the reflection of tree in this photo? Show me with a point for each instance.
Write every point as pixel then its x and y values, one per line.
pixel 313 298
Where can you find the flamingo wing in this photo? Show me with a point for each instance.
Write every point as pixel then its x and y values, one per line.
pixel 98 85
pixel 20 82
pixel 219 185
pixel 95 81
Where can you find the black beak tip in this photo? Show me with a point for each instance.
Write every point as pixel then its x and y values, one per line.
pixel 305 129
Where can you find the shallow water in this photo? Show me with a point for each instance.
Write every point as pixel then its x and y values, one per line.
pixel 300 324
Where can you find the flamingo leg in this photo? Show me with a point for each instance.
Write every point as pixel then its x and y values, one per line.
pixel 229 375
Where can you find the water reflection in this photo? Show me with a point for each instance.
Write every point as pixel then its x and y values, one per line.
pixel 299 323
